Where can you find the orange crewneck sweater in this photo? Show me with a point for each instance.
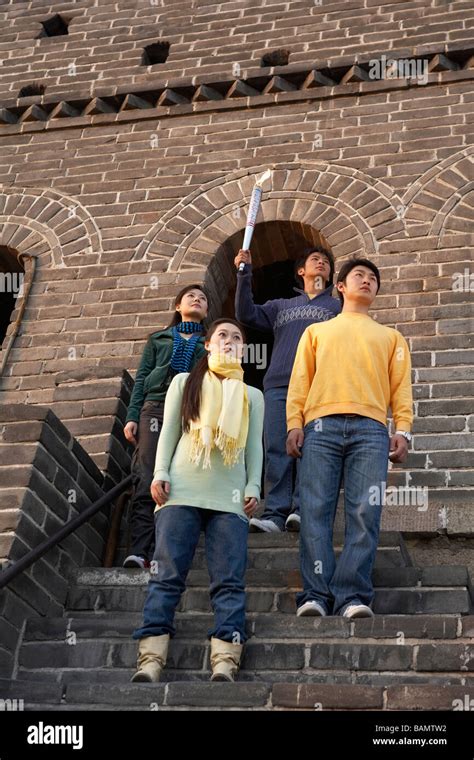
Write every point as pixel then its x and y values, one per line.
pixel 351 365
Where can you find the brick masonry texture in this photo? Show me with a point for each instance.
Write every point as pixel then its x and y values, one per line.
pixel 46 479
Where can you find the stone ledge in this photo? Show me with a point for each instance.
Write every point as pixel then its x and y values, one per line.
pixel 187 97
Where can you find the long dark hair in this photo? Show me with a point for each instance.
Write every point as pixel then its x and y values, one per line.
pixel 191 403
pixel 177 316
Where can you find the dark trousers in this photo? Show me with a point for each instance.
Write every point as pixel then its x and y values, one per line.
pixel 142 525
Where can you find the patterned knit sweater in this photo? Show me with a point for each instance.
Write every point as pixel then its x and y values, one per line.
pixel 287 318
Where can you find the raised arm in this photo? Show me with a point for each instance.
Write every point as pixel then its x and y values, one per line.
pixel 261 317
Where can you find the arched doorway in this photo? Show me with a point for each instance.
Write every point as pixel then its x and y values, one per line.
pixel 11 279
pixel 276 246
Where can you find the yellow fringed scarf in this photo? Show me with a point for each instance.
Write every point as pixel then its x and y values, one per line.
pixel 224 413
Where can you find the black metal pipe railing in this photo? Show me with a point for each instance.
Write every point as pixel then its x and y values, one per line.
pixel 11 572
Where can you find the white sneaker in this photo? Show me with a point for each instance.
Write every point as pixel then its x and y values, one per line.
pixel 133 561
pixel 357 611
pixel 263 526
pixel 311 609
pixel 293 523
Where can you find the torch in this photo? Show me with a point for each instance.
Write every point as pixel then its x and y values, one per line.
pixel 253 211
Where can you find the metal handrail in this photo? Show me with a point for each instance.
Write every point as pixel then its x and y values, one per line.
pixel 32 556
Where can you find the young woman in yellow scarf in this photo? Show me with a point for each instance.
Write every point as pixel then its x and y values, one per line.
pixel 207 477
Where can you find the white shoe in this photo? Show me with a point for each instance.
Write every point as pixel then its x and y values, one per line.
pixel 311 609
pixel 263 526
pixel 133 561
pixel 357 611
pixel 293 523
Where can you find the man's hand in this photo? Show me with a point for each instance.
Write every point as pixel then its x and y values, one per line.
pixel 251 504
pixel 130 431
pixel 160 490
pixel 398 448
pixel 294 442
pixel 243 257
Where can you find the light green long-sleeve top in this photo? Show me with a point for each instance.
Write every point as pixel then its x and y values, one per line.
pixel 220 487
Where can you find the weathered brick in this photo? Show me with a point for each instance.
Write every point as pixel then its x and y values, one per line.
pixel 327 696
pixel 31 692
pixel 426 697
pixel 237 695
pixel 362 657
pixel 445 657
pixel 122 694
pixel 272 656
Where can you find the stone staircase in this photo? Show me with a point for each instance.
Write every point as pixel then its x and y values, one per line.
pixel 417 653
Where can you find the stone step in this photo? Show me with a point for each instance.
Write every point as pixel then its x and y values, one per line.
pixel 396 697
pixel 279 655
pixel 267 626
pixel 239 695
pixel 112 676
pixel 31 691
pixel 281 550
pixel 454 575
pixel 388 601
pixel 287 558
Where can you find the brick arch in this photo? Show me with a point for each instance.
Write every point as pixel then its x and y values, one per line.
pixel 274 242
pixel 458 217
pixel 440 201
pixel 352 211
pixel 46 223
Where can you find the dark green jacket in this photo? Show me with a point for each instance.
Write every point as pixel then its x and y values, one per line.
pixel 152 380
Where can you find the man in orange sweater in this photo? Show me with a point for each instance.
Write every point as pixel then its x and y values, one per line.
pixel 347 373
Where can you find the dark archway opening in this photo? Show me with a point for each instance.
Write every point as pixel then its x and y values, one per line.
pixel 11 274
pixel 275 248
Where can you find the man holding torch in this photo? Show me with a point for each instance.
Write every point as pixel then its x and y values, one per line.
pixel 287 319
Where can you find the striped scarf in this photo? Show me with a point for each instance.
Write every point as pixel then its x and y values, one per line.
pixel 183 350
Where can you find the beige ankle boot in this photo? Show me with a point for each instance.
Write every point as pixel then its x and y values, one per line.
pixel 225 659
pixel 152 653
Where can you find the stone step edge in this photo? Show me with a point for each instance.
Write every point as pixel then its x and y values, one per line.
pixel 271 696
pixel 332 673
pixel 349 641
pixel 275 587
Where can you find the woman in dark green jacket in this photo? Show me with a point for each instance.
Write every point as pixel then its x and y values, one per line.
pixel 167 352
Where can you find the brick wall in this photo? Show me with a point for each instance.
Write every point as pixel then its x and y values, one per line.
pixel 105 44
pixel 46 479
pixel 123 201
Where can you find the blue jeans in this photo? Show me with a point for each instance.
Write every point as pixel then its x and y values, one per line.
pixel 177 530
pixel 355 450
pixel 280 496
